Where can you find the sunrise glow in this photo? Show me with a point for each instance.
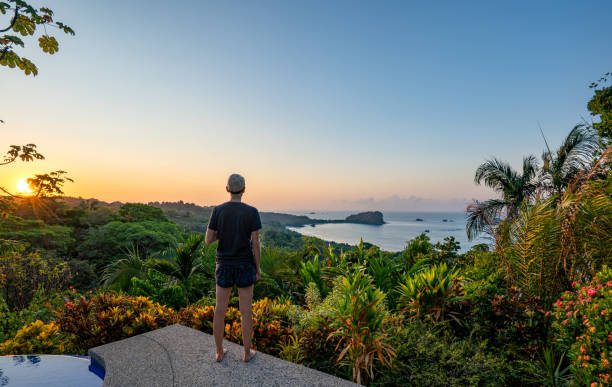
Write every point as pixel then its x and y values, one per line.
pixel 23 187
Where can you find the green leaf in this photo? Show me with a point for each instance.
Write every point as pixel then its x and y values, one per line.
pixel 65 28
pixel 24 25
pixel 11 39
pixel 48 44
pixel 13 60
pixel 47 11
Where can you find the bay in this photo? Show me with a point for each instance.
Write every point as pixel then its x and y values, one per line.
pixel 399 228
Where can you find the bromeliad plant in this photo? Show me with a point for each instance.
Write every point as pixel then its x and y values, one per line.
pixel 358 322
pixel 431 292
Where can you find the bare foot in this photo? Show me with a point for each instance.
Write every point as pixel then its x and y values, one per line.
pixel 248 356
pixel 219 357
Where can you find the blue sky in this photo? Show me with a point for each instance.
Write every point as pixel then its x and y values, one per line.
pixel 316 103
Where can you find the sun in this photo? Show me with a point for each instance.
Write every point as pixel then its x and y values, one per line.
pixel 23 187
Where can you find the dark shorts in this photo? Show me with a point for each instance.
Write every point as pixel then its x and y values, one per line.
pixel 240 274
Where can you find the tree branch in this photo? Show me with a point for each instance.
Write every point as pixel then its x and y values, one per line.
pixel 11 194
pixel 5 50
pixel 13 21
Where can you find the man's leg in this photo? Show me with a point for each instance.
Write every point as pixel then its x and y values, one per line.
pixel 246 317
pixel 223 295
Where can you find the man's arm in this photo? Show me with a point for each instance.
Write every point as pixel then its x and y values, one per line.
pixel 211 236
pixel 211 230
pixel 256 251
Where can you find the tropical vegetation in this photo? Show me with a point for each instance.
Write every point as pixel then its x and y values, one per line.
pixel 530 307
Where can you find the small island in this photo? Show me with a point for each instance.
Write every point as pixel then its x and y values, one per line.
pixel 374 218
pixel 369 217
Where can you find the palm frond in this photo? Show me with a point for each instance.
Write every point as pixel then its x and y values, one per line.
pixel 483 217
pixel 119 273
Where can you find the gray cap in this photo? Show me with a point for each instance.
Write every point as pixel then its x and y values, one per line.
pixel 235 183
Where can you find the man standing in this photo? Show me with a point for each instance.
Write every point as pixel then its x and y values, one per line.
pixel 236 226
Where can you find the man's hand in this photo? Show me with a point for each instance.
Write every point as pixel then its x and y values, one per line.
pixel 211 236
pixel 257 274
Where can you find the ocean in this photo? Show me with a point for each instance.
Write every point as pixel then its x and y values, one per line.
pixel 399 228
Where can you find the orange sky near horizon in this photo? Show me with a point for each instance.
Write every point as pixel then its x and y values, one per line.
pixel 117 180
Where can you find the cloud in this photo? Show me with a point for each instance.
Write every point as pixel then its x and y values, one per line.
pixel 396 203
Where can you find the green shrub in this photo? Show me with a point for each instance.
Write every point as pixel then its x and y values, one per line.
pixel 426 357
pixel 316 311
pixel 320 350
pixel 416 249
pixel 21 275
pixel 170 295
pixel 83 274
pixel 41 307
pixel 37 338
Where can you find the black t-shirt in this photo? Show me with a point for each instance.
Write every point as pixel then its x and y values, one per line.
pixel 234 223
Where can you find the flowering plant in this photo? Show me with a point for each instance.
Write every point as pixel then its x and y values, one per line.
pixel 583 327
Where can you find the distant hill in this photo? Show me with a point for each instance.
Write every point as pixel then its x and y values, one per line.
pixel 189 215
pixel 195 217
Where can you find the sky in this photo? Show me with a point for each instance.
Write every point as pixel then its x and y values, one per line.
pixel 320 105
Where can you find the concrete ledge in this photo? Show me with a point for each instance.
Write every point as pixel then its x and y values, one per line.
pixel 181 356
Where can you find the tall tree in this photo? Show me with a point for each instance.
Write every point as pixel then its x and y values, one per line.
pixel 601 104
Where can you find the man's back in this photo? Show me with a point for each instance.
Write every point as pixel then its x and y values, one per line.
pixel 234 223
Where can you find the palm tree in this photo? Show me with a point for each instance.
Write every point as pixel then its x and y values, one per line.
pixel 575 156
pixel 119 273
pixel 183 262
pixel 514 187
